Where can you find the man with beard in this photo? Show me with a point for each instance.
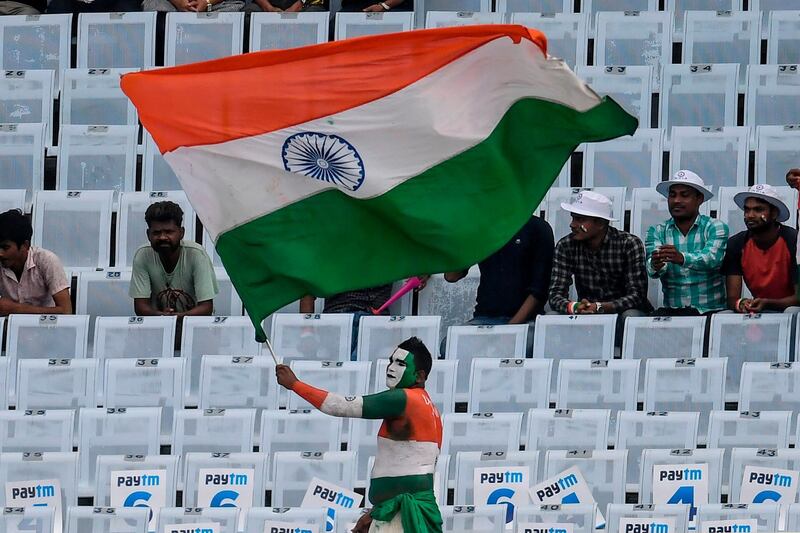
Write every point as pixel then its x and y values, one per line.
pixel 686 251
pixel 171 276
pixel 33 280
pixel 409 440
pixel 763 255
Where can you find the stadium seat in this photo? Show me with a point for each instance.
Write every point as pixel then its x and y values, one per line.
pixel 454 302
pixel 211 250
pixel 713 37
pixel 347 378
pixel 214 335
pixel 299 430
pixel 633 38
pixel 97 158
pixel 509 385
pixel 699 95
pixel 105 431
pixel 574 336
pixel 157 175
pixel 275 31
pixel 678 8
pixel 132 228
pixel 146 383
pixel 421 7
pixel 56 383
pixel 135 336
pixel 732 214
pixel 766 514
pixel 718 155
pixel 313 519
pixel 630 86
pixel 441 383
pixel 93 96
pixel 214 431
pixel 361 24
pixel 378 336
pixel 296 469
pixel 362 440
pixel 28 519
pixel 26 97
pixel 766 385
pixel 603 470
pixel 105 519
pixel 440 478
pixel 480 432
pixel 567 429
pixel 772 92
pixel 21 159
pixel 579 515
pixel 444 19
pixel 238 382
pixel 713 458
pixel 228 302
pixel 109 465
pixel 783 47
pixel 559 219
pixel 740 338
pixel 36 43
pixel 104 292
pixel 652 337
pixel 594 7
pixel 199 465
pixel 74 225
pixel 116 40
pixel 567 32
pixel 465 343
pixel 633 161
pixel 766 458
pixel 59 466
pixel 34 429
pixel 192 37
pixel 678 513
pixel 324 337
pixel 556 7
pixel 475 519
pixel 224 518
pixel 777 150
pixel 13 199
pixel 637 431
pixel 467 462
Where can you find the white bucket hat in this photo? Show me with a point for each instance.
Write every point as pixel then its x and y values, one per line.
pixel 688 178
pixel 590 204
pixel 765 192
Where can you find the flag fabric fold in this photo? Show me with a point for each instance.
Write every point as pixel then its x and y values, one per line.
pixel 359 162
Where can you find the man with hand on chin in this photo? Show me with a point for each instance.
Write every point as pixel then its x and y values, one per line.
pixel 409 440
pixel 763 255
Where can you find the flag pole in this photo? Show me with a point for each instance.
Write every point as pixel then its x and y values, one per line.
pixel 268 344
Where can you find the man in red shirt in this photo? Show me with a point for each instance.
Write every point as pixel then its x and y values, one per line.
pixel 764 255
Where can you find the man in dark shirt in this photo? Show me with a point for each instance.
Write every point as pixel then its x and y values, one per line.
pixel 763 255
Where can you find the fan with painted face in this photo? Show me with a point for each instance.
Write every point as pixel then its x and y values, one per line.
pixel 402 370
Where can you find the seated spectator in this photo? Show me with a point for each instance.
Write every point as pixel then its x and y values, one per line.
pixel 93 6
pixel 377 7
pixel 25 7
pixel 285 6
pixel 171 276
pixel 606 263
pixel 764 255
pixel 33 279
pixel 686 251
pixel 197 6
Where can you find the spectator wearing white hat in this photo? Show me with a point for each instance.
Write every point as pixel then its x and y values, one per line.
pixel 686 251
pixel 607 263
pixel 763 255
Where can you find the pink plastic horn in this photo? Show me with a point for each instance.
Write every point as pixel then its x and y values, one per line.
pixel 409 285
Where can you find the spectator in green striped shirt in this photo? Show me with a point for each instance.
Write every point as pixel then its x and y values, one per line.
pixel 686 251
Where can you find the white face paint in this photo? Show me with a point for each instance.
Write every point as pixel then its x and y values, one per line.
pixel 396 368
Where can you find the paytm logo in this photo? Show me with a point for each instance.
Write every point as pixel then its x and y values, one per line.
pixel 731 528
pixel 190 529
pixel 556 488
pixel 652 527
pixel 33 491
pixel 773 480
pixel 334 497
pixel 501 477
pixel 226 479
pixel 288 530
pixel 145 480
pixel 543 530
pixel 681 474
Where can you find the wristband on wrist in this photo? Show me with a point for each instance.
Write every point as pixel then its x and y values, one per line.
pixel 739 304
pixel 570 308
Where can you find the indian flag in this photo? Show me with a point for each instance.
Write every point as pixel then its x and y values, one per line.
pixel 356 163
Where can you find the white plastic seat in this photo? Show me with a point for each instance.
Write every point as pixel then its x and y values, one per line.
pixel 749 429
pixel 772 92
pixel 717 154
pixel 13 199
pixel 56 383
pixel 74 225
pixel 224 518
pixel 467 462
pixel 107 519
pixel 322 337
pixel 677 513
pixel 18 519
pixel 783 41
pixel 711 457
pixel 441 383
pixel 631 86
pixel 634 38
pixel 105 431
pixel 579 515
pixel 28 466
pixel 475 519
pixel 603 470
pixel 699 95
pixel 454 302
pixel 559 219
pixel 257 519
pixel 21 158
pixel 655 337
pixel 121 471
pixel 568 429
pixel 480 432
pixel 742 338
pixel 214 431
pixel 786 459
pixel 201 470
pixel 97 158
pixel 347 378
pixel 192 37
pixel 465 343
pixel 777 150
pixel 36 43
pixel 509 385
pixel 299 430
pixel 104 292
pixel 444 19
pixel 722 37
pixel 227 302
pixel 238 382
pixel 26 97
pixel 567 32
pixel 637 431
pixel 574 336
pixel 142 337
pixel 642 156
pixel 132 228
pixel 733 216
pixel 277 31
pixel 535 6
pixel 678 8
pixel 768 385
pixel 296 469
pixel 146 383
pixel 157 175
pixel 217 335
pixel 36 430
pixel 116 40
pixel 378 336
pixel 361 24
pixel 422 7
pixel 766 514
pixel 93 96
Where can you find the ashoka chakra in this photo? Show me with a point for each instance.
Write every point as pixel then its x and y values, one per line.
pixel 324 157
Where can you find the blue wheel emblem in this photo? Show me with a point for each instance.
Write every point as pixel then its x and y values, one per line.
pixel 324 157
